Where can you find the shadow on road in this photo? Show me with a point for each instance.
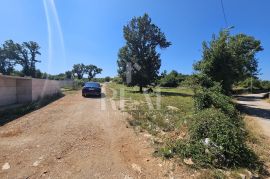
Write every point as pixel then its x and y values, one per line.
pixel 97 97
pixel 249 105
pixel 9 114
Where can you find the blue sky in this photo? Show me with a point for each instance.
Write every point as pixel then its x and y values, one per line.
pixel 90 31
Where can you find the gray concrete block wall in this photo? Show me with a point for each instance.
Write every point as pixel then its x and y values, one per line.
pixel 7 91
pixel 15 90
pixel 43 87
pixel 24 90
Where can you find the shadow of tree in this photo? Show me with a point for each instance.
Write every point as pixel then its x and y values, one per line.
pixel 13 113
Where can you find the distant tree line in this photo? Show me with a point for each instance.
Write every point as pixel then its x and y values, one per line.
pixel 25 55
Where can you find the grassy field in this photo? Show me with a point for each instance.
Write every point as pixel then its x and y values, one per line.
pixel 165 110
pixel 169 123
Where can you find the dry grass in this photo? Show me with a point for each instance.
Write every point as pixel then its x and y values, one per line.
pixel 258 141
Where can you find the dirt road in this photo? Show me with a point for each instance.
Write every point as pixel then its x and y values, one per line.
pixel 78 137
pixel 254 106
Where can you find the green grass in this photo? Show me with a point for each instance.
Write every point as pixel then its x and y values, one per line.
pixel 169 125
pixel 176 105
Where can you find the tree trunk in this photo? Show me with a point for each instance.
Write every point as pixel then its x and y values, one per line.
pixel 141 89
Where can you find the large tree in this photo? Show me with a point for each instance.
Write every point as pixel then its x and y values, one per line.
pixel 6 64
pixel 29 64
pixel 24 54
pixel 78 70
pixel 92 71
pixel 229 58
pixel 8 57
pixel 138 60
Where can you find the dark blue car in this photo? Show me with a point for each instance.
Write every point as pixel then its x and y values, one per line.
pixel 91 89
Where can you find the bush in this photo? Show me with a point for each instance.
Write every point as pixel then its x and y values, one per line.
pixel 215 141
pixel 170 80
pixel 107 79
pixel 117 80
pixel 213 97
pixel 173 79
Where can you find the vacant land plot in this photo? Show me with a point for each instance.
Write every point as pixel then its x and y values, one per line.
pixel 76 137
pixel 168 123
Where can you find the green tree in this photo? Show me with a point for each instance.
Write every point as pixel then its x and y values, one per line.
pixel 23 54
pixel 229 59
pixel 29 61
pixel 38 74
pixel 78 70
pixel 8 57
pixel 68 74
pixel 170 80
pixel 92 71
pixel 6 64
pixel 138 60
pixel 107 79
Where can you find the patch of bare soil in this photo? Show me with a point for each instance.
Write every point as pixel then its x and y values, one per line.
pixel 78 137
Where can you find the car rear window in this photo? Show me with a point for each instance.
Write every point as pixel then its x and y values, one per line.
pixel 95 85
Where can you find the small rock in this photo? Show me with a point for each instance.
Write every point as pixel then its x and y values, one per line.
pixel 136 167
pixel 242 176
pixel 147 136
pixel 173 108
pixel 160 165
pixel 188 161
pixel 36 163
pixel 128 177
pixel 6 166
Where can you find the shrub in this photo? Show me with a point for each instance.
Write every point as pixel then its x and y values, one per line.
pixel 170 80
pixel 213 97
pixel 215 141
pixel 117 80
pixel 173 79
pixel 107 79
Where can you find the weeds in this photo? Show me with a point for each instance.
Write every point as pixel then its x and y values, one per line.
pixel 205 128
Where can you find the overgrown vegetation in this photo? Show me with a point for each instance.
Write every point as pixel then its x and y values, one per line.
pixel 173 79
pixel 211 136
pixel 228 59
pixel 211 133
pixel 175 105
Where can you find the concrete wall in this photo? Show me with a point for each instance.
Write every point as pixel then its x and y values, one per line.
pixel 15 90
pixel 7 91
pixel 43 87
pixel 66 83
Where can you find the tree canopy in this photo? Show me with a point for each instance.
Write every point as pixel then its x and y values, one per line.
pixel 79 70
pixel 23 54
pixel 229 58
pixel 138 61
